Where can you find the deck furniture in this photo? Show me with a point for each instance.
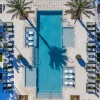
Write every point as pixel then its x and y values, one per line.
pixel 71 83
pixel 90 90
pixel 69 76
pixel 91 54
pixel 30 43
pixel 91 49
pixel 9 49
pixel 9 44
pixel 91 59
pixel 91 44
pixel 66 83
pixel 91 70
pixel 92 75
pixel 7 24
pixel 8 70
pixel 31 38
pixel 31 33
pixel 8 30
pixel 89 80
pixel 91 64
pixel 66 71
pixel 91 40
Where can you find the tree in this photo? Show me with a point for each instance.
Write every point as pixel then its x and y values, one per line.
pixel 18 7
pixel 79 7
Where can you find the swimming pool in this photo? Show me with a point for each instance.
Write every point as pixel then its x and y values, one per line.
pixel 49 26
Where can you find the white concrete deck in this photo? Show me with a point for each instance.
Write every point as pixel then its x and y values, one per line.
pixel 79 48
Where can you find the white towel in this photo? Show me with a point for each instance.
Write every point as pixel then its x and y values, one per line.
pixel 30 32
pixel 66 83
pixel 70 71
pixel 66 71
pixel 71 76
pixel 71 83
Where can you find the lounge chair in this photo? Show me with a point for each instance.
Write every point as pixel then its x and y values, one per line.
pixel 91 65
pixel 10 33
pixel 9 65
pixel 91 59
pixel 9 44
pixel 91 53
pixel 7 80
pixel 91 90
pixel 30 32
pixel 91 85
pixel 31 38
pixel 10 70
pixel 91 28
pixel 91 44
pixel 6 60
pixel 91 70
pixel 8 29
pixel 91 49
pixel 71 71
pixel 31 43
pixel 67 76
pixel 91 40
pixel 71 83
pixel 8 24
pixel 91 75
pixel 9 49
pixel 91 24
pixel 66 71
pixel 66 83
pixel 90 80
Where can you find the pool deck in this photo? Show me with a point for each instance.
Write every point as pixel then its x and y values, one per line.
pixel 79 48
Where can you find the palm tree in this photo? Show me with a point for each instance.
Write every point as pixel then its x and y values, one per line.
pixel 79 7
pixel 18 7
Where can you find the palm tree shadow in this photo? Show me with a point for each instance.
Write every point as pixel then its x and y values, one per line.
pixel 16 64
pixel 58 57
pixel 26 63
pixel 89 32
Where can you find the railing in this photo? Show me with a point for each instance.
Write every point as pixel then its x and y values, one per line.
pixel 65 20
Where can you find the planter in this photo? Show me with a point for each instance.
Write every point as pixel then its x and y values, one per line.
pixel 78 56
pixel 20 57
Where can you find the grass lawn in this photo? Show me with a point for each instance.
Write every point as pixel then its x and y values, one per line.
pixel 0 57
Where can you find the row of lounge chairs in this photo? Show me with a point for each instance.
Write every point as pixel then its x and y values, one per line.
pixel 8 27
pixel 30 38
pixel 8 46
pixel 69 77
pixel 91 86
pixel 8 50
pixel 8 87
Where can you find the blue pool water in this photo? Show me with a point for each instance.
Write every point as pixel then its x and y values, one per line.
pixel 68 36
pixel 49 25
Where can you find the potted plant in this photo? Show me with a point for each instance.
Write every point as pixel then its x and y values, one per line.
pixel 20 57
pixel 78 56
